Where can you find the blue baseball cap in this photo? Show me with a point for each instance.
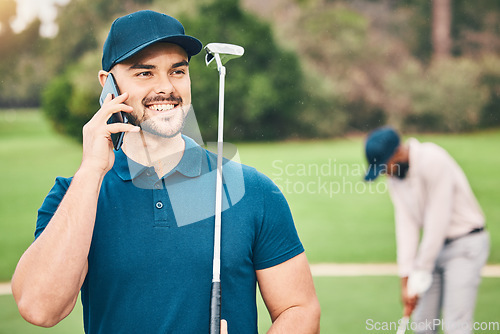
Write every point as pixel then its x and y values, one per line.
pixel 132 33
pixel 379 147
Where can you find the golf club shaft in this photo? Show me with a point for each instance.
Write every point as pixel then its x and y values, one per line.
pixel 215 299
pixel 403 323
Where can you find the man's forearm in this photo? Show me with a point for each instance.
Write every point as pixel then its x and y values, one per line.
pixel 298 319
pixel 49 275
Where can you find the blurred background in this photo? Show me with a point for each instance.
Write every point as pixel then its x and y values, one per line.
pixel 312 68
pixel 316 76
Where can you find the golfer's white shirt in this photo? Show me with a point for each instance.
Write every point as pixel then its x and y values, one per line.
pixel 435 198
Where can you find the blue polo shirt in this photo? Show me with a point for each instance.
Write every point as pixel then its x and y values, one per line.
pixel 150 261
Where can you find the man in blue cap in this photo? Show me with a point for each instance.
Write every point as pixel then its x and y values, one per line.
pixel 130 230
pixel 440 271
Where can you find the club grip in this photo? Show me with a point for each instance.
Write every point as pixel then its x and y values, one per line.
pixel 215 308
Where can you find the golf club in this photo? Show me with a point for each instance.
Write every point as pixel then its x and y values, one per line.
pixel 217 55
pixel 418 283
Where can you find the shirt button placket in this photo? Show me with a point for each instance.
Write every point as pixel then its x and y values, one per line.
pixel 160 200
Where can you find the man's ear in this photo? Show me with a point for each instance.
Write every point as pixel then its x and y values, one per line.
pixel 102 76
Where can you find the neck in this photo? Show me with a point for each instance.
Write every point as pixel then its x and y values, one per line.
pixel 153 151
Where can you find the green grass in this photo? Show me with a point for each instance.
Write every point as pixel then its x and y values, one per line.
pixel 31 156
pixel 333 227
pixel 339 217
pixel 347 304
pixel 11 321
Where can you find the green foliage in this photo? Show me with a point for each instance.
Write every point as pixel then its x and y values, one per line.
pixel 347 65
pixel 71 98
pixel 55 102
pixel 23 73
pixel 264 89
pixel 447 96
pixel 490 79
pixel 418 35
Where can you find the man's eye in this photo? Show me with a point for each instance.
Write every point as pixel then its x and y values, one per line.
pixel 178 72
pixel 144 74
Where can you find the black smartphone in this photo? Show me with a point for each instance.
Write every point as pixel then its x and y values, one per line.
pixel 118 117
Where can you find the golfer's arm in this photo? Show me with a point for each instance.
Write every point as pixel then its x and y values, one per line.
pixel 49 275
pixel 289 294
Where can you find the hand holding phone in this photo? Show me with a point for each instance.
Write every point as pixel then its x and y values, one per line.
pixel 110 87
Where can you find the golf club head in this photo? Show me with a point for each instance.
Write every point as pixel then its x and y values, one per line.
pixel 226 53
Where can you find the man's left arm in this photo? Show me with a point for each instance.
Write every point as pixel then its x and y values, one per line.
pixel 288 292
pixel 438 212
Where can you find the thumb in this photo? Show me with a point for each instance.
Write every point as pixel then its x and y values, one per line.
pixel 223 326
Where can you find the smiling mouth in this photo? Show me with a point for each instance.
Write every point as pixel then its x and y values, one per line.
pixel 162 107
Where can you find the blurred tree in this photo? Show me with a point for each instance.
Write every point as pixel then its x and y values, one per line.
pixel 71 98
pixel 337 78
pixel 490 80
pixel 447 96
pixel 22 69
pixel 441 28
pixel 474 26
pixel 264 88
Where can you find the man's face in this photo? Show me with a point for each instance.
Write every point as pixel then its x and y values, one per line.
pixel 159 87
pixel 397 167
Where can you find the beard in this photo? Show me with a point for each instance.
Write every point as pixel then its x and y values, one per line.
pixel 403 168
pixel 162 125
pixel 165 126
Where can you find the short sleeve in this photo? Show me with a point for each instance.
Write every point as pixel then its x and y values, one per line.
pixel 51 203
pixel 277 240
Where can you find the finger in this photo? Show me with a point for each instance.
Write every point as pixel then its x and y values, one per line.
pixel 120 98
pixel 118 101
pixel 122 127
pixel 223 326
pixel 410 306
pixel 108 98
pixel 107 110
pixel 413 300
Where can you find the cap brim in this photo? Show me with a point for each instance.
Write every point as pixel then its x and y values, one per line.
pixel 191 45
pixel 373 172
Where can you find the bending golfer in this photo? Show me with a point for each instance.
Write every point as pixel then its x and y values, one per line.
pixel 432 198
pixel 130 229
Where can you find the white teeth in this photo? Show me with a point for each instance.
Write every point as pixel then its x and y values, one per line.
pixel 162 107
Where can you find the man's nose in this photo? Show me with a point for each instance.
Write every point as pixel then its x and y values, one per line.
pixel 164 85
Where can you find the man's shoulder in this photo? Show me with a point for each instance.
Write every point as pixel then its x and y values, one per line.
pixel 429 152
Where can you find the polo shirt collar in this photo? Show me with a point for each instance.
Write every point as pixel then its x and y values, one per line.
pixel 189 166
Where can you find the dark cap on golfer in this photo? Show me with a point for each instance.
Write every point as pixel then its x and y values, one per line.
pixel 134 32
pixel 379 147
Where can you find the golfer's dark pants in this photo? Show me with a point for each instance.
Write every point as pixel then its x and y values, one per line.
pixel 450 301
